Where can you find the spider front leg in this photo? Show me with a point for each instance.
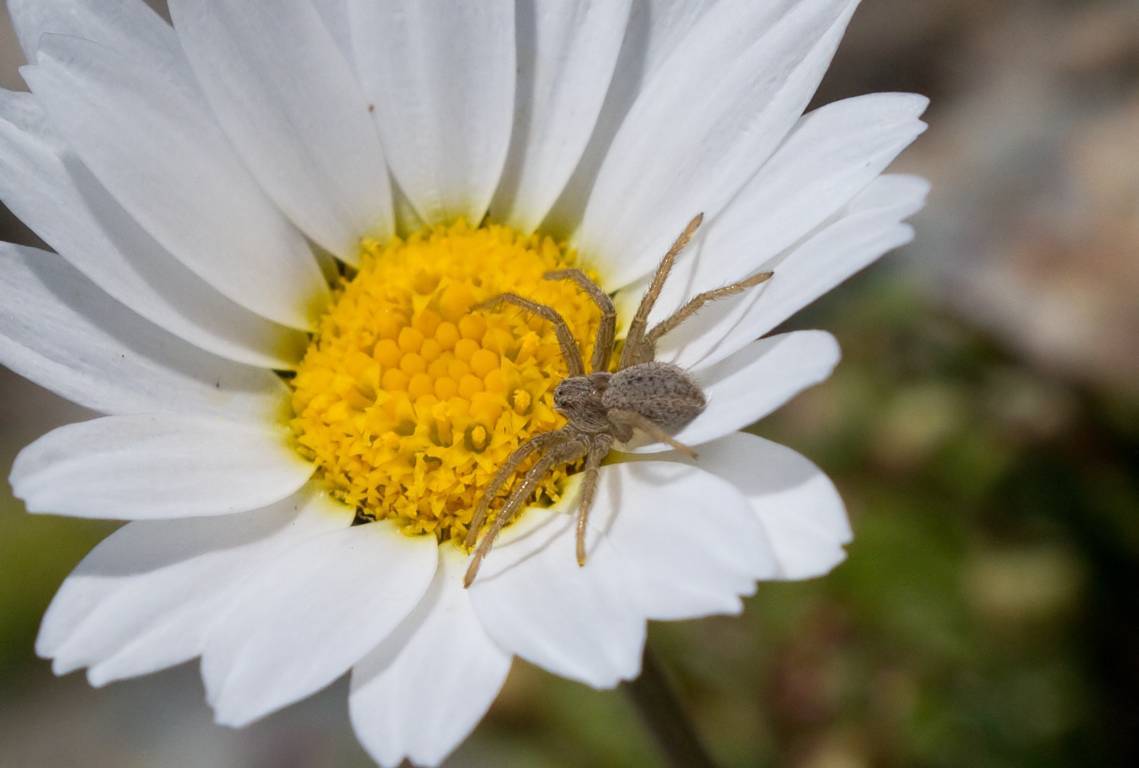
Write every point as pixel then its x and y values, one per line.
pixel 598 450
pixel 505 471
pixel 561 453
pixel 570 350
pixel 607 330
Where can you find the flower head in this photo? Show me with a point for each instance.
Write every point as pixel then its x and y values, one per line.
pixel 275 230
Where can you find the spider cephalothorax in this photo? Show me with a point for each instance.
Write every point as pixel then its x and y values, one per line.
pixel 603 407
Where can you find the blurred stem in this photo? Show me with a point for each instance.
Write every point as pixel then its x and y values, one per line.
pixel 665 717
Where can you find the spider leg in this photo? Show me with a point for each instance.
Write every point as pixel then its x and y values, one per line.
pixel 603 346
pixel 634 339
pixel 598 450
pixel 508 468
pixel 561 454
pixel 649 427
pixel 697 302
pixel 570 350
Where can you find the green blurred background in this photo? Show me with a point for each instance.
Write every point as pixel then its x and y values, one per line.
pixel 983 430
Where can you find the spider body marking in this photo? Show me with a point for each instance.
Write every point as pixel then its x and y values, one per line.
pixel 602 407
pixel 660 392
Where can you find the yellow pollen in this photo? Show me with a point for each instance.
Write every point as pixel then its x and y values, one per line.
pixel 409 399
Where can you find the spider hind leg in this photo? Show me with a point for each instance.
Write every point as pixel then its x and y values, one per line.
pixel 634 340
pixel 650 428
pixel 697 302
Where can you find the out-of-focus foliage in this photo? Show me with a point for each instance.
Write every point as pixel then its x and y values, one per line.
pixel 983 429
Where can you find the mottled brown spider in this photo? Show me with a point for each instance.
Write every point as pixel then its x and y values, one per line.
pixel 603 407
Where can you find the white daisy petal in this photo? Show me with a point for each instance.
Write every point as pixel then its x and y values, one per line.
pixel 689 541
pixel 655 28
pixel 536 603
pixel 831 156
pixel 741 79
pixel 441 76
pixel 130 27
pixel 755 381
pixel 148 595
pixel 334 14
pixel 60 331
pixel 397 710
pixel 153 467
pixel 567 54
pixel 801 512
pixel 58 198
pixel 306 618
pixel 899 194
pixel 150 142
pixel 289 101
pixel 870 228
pixel 834 153
pixel 646 560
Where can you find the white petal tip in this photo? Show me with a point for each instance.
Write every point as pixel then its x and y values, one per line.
pixel 915 104
pixel 98 678
pixel 826 349
pixel 815 570
pixel 61 666
pixel 234 718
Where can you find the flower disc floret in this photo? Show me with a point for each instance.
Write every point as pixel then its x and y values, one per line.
pixel 411 395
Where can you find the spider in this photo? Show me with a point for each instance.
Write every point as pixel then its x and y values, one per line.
pixel 602 407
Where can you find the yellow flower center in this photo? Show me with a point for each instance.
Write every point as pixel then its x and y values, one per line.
pixel 410 398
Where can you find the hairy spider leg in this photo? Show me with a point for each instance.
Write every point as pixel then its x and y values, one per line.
pixel 651 428
pixel 607 330
pixel 561 453
pixel 694 305
pixel 509 467
pixel 570 350
pixel 634 339
pixel 598 450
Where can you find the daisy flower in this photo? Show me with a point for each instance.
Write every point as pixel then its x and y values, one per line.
pixel 274 226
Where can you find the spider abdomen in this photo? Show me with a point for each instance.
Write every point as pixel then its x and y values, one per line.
pixel 661 392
